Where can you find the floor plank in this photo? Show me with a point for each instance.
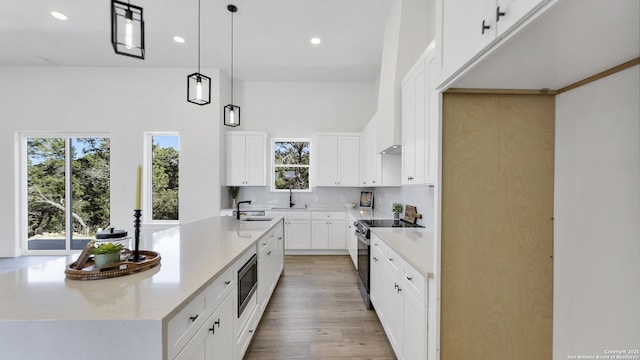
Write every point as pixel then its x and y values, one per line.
pixel 316 313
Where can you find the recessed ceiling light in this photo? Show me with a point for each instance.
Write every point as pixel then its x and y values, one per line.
pixel 178 39
pixel 315 40
pixel 59 15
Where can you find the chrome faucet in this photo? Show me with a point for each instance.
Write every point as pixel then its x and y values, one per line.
pixel 238 207
pixel 290 198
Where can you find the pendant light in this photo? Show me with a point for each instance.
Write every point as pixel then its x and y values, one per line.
pixel 232 112
pixel 198 85
pixel 127 29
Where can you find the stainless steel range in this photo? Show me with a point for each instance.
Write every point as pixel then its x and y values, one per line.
pixel 363 232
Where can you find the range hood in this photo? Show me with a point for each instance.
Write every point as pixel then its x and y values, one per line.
pixel 406 36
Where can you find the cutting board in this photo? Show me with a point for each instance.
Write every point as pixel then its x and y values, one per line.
pixel 411 214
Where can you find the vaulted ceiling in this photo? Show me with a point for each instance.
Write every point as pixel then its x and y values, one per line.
pixel 271 37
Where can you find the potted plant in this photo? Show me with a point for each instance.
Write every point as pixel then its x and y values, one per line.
pixel 397 209
pixel 106 253
pixel 234 195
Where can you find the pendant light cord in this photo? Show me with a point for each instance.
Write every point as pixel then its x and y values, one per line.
pixel 231 58
pixel 198 36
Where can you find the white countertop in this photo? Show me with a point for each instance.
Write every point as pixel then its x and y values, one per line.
pixel 192 255
pixel 415 245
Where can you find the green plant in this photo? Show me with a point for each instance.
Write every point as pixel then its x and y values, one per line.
pixel 234 191
pixel 106 248
pixel 396 208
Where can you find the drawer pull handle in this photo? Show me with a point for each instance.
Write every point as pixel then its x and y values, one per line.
pixel 193 318
pixel 399 289
pixel 375 259
pixel 213 329
pixel 409 278
pixel 217 323
pixel 395 285
pixel 390 259
pixel 251 331
pixel 226 283
pixel 269 253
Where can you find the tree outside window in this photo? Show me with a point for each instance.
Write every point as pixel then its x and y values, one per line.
pixel 291 164
pixel 165 176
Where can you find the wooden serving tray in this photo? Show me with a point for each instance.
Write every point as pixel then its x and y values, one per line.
pixel 122 268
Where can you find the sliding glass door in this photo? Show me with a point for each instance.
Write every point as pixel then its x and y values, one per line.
pixel 66 189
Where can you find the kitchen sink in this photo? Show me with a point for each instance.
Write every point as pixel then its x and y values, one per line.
pixel 256 218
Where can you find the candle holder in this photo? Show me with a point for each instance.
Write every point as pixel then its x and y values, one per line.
pixel 136 224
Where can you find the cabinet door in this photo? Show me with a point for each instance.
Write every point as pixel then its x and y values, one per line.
pixel 408 130
pixel 221 344
pixel 364 159
pixel 236 154
pixel 378 280
pixel 352 241
pixel 298 234
pixel 264 276
pixel 395 317
pixel 326 155
pixel 320 234
pixel 420 78
pixel 197 348
pixel 462 34
pixel 372 156
pixel 348 160
pixel 414 332
pixel 514 11
pixel 433 121
pixel 336 234
pixel 256 160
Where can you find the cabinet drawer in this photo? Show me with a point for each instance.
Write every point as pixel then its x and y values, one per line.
pixel 378 244
pixel 328 215
pixel 184 325
pixel 395 262
pixel 247 333
pixel 219 288
pixel 299 215
pixel 415 282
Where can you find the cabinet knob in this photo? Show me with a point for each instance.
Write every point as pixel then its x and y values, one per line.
pixel 499 14
pixel 226 283
pixel 409 278
pixel 390 259
pixel 485 27
pixel 269 253
pixel 375 259
pixel 410 178
pixel 374 181
pixel 193 318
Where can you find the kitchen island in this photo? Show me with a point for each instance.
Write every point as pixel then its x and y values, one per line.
pixel 45 316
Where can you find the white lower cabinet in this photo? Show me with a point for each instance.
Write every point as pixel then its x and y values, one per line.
pixel 214 339
pixel 398 293
pixel 327 230
pixel 352 240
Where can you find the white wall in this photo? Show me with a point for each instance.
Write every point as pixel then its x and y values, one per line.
pixel 597 218
pixel 124 102
pixel 299 109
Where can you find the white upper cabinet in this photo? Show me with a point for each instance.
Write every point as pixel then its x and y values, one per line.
pixel 419 121
pixel 246 157
pixel 469 27
pixel 337 160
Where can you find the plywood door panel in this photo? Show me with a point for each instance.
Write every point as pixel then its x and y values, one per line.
pixel 497 233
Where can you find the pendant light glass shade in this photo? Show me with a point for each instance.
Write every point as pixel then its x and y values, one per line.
pixel 232 112
pixel 198 85
pixel 198 89
pixel 232 115
pixel 127 29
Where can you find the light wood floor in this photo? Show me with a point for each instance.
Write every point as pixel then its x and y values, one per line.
pixel 316 312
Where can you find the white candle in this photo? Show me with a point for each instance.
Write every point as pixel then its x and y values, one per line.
pixel 138 187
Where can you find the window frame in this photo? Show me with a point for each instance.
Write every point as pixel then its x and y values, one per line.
pixel 21 189
pixel 273 164
pixel 147 178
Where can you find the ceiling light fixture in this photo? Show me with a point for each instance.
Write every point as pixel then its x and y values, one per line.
pixel 127 29
pixel 315 41
pixel 59 15
pixel 198 85
pixel 232 112
pixel 178 39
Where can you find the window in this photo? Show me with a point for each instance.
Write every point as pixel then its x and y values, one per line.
pixel 291 164
pixel 66 190
pixel 163 166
